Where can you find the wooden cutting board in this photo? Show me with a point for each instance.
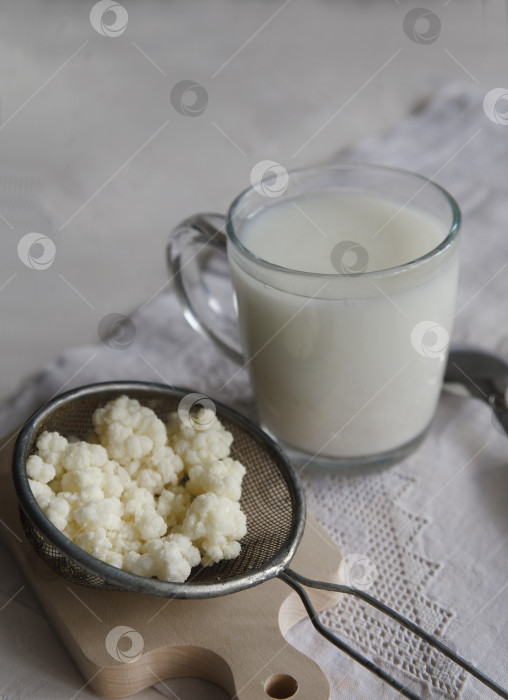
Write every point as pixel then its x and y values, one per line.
pixel 124 642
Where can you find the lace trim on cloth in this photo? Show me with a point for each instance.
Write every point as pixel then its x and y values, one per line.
pixel 378 538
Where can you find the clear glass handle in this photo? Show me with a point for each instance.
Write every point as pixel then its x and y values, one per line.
pixel 197 260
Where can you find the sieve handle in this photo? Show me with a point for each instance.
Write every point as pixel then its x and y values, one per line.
pixel 297 581
pixel 191 245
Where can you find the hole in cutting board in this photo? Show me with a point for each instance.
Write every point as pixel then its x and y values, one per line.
pixel 281 686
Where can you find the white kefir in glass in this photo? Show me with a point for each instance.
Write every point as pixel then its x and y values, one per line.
pixel 346 355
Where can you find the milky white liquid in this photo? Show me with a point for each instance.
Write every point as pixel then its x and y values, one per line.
pixel 334 362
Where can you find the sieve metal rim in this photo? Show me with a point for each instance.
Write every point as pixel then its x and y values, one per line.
pixel 132 582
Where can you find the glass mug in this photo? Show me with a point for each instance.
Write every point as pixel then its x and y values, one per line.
pixel 347 352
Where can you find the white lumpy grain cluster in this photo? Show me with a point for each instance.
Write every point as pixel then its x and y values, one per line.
pixel 146 497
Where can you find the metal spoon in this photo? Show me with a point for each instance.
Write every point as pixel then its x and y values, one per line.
pixel 482 375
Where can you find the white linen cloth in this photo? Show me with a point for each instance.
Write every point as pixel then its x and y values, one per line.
pixel 433 529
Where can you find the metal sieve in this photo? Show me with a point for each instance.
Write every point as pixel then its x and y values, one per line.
pixel 272 501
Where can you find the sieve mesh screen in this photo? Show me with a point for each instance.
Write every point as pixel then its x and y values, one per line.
pixel 268 494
